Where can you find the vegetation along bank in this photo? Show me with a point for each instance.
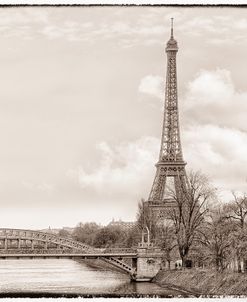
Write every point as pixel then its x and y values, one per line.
pixel 204 282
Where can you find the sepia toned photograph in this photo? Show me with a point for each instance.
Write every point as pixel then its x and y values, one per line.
pixel 123 151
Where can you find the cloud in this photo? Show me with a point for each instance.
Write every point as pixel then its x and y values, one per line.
pixel 219 152
pixel 197 23
pixel 214 129
pixel 211 87
pixel 53 24
pixel 22 22
pixel 149 28
pixel 215 28
pixel 152 85
pixel 23 16
pixel 123 170
pixel 241 24
pixel 212 98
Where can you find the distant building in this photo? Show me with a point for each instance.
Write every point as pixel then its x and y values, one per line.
pixel 126 225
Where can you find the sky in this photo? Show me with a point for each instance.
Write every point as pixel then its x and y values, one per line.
pixel 81 107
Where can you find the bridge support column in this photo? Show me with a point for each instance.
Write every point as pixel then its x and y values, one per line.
pixel 19 243
pixel 32 244
pixel 5 243
pixel 147 264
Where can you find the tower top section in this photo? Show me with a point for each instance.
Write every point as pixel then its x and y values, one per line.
pixel 172 44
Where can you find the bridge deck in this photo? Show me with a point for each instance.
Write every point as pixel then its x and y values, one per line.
pixel 71 255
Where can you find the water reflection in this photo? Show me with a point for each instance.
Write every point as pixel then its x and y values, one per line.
pixel 68 276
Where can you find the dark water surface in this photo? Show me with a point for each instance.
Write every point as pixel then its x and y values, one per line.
pixel 51 277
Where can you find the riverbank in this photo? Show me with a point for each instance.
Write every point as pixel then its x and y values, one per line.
pixel 204 282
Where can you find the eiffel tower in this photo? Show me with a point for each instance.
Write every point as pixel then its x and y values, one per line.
pixel 170 169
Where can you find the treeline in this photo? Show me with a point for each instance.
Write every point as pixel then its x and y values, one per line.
pixel 104 236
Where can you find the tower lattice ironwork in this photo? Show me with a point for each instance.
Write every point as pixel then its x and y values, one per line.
pixel 170 169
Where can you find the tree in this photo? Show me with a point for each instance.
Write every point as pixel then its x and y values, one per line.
pixel 236 213
pixel 133 237
pixel 146 218
pixel 86 232
pixel 188 216
pixel 64 233
pixel 237 209
pixel 109 236
pixel 166 240
pixel 217 241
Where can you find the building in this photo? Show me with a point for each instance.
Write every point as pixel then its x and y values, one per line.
pixel 125 225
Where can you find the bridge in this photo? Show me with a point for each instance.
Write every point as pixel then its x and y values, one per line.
pixel 142 263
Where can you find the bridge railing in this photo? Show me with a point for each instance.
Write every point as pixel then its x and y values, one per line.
pixel 118 250
pixel 37 251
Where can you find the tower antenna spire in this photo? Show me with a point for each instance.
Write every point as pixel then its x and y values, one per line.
pixel 172 28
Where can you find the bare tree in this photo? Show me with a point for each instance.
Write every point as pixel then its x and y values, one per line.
pixel 236 212
pixel 188 216
pixel 217 240
pixel 167 240
pixel 147 218
pixel 237 209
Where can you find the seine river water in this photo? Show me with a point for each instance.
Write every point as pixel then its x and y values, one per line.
pixel 64 276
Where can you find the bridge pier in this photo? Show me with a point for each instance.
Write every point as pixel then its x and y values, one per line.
pixel 147 264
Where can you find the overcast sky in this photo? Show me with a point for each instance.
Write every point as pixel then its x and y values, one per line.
pixel 81 97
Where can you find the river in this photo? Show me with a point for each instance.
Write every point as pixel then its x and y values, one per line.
pixel 69 278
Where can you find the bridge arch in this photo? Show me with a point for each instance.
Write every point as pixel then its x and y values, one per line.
pixel 18 235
